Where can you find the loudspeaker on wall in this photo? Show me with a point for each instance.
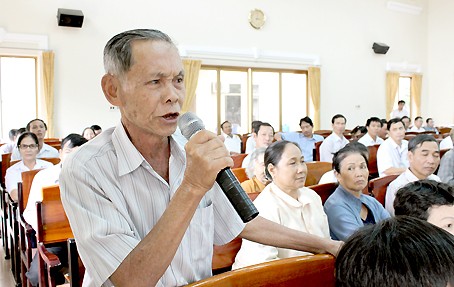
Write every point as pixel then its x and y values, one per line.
pixel 380 48
pixel 70 18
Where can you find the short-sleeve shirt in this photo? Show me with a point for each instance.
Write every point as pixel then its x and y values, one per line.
pixel 232 143
pixel 330 145
pixel 14 172
pixel 306 144
pixel 390 154
pixel 367 140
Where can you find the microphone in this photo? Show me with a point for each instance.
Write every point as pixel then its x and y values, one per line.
pixel 189 125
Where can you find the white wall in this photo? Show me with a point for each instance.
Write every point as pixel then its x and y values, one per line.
pixel 340 32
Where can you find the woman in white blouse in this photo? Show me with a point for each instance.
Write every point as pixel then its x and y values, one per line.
pixel 28 149
pixel 285 201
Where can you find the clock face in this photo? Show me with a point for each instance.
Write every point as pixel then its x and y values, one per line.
pixel 257 18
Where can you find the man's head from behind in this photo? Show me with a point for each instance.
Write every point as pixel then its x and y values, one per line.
pixel 264 136
pixel 306 126
pixel 70 144
pixel 400 251
pixel 427 200
pixel 423 155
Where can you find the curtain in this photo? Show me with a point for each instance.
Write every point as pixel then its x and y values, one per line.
pixel 48 90
pixel 314 94
pixel 191 77
pixel 392 84
pixel 415 94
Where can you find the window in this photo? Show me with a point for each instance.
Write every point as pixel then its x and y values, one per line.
pixel 242 95
pixel 403 93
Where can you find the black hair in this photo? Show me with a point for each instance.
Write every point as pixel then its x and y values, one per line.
pixel 401 102
pixel 74 140
pixel 338 116
pixel 255 126
pixel 96 128
pixel 394 121
pixel 30 122
pixel 399 251
pixel 88 128
pixel 384 122
pixel 418 117
pixel 12 133
pixel 374 119
pixel 307 120
pixel 416 198
pixel 222 125
pixel 264 125
pixel 273 154
pixel 27 134
pixel 428 119
pixel 362 129
pixel 21 131
pixel 418 140
pixel 351 148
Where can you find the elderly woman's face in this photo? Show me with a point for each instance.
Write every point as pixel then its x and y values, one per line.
pixel 291 171
pixel 259 169
pixel 353 173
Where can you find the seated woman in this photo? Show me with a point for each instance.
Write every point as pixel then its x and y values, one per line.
pixel 256 172
pixel 28 149
pixel 285 201
pixel 348 208
pixel 88 133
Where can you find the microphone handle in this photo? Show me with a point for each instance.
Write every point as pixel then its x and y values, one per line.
pixel 236 195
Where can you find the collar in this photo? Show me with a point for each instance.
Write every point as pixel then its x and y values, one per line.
pixel 351 199
pixel 303 199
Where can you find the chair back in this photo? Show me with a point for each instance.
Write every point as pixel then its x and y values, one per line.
pixel 53 142
pixel 372 166
pixel 315 171
pixel 324 190
pixel 323 133
pixel 238 159
pixel 443 151
pixel 317 150
pixel 53 160
pixel 240 174
pixel 24 188
pixel 378 186
pixel 76 267
pixel 6 159
pixel 444 130
pixel 307 271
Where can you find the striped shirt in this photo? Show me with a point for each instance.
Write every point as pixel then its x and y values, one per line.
pixel 113 198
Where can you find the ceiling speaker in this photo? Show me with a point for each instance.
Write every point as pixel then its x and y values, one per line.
pixel 380 48
pixel 70 18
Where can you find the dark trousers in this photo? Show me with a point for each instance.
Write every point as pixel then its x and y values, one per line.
pixel 61 250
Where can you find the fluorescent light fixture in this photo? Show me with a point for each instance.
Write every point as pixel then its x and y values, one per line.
pixel 404 8
pixel 26 41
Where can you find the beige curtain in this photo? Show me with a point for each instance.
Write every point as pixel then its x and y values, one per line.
pixel 392 85
pixel 415 94
pixel 314 94
pixel 191 77
pixel 48 90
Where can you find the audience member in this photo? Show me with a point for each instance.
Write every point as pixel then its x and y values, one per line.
pixel 446 171
pixel 285 201
pixel 358 132
pixel 423 157
pixel 335 141
pixel 401 111
pixel 401 251
pixel 348 208
pixel 250 142
pixel 328 177
pixel 88 133
pixel 27 144
pixel 232 142
pixel 256 172
pixel 430 126
pixel 9 146
pixel 372 137
pixel 392 153
pixel 306 139
pixel 383 133
pixel 39 128
pixel 427 200
pixel 417 127
pixel 141 213
pixel 97 129
pixel 447 142
pixel 407 123
pixel 263 138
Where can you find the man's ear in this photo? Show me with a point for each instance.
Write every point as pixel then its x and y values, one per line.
pixel 110 86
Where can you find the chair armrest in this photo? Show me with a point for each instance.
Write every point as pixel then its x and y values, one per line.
pixel 48 257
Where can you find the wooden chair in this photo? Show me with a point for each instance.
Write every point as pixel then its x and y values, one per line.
pixel 6 159
pixel 324 190
pixel 238 159
pixel 315 170
pixel 53 227
pixel 53 142
pixel 372 166
pixel 76 267
pixel 4 222
pixel 240 174
pixel 444 130
pixel 13 239
pixel 378 186
pixel 307 271
pixel 317 150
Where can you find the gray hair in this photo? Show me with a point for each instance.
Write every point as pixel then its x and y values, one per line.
pixel 118 54
pixel 254 156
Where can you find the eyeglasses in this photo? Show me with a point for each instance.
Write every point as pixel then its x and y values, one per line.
pixel 26 146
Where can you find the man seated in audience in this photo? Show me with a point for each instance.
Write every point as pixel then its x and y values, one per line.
pixel 232 142
pixel 263 138
pixel 401 111
pixel 446 171
pixel 97 129
pixel 306 139
pixel 335 141
pixel 383 133
pixel 430 126
pixel 424 157
pixel 250 142
pixel 392 153
pixel 401 251
pixel 47 177
pixel 407 123
pixel 358 132
pixel 39 128
pixel 417 127
pixel 447 142
pixel 427 200
pixel 12 144
pixel 373 126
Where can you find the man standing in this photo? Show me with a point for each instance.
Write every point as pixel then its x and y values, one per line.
pixel 400 111
pixel 335 141
pixel 392 153
pixel 373 126
pixel 232 142
pixel 141 199
pixel 305 139
pixel 424 157
pixel 417 127
pixel 263 138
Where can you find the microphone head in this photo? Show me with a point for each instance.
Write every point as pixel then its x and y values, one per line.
pixel 189 124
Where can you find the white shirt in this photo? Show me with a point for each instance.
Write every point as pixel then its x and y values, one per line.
pixel 446 143
pixel 367 140
pixel 389 154
pixel 232 143
pixel 305 214
pixel 43 178
pixel 246 160
pixel 250 144
pixel 415 129
pixel 328 177
pixel 399 114
pixel 330 145
pixel 14 172
pixel 113 198
pixel 399 182
pixel 46 151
